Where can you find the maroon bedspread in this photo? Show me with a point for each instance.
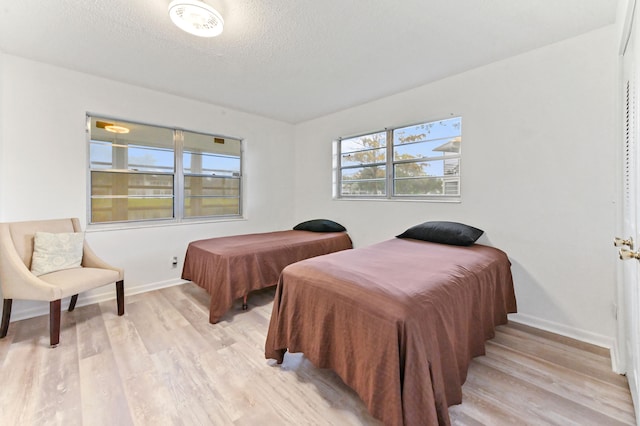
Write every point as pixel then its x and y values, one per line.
pixel 230 267
pixel 398 321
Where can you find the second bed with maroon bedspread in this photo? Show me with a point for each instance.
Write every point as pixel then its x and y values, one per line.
pixel 230 267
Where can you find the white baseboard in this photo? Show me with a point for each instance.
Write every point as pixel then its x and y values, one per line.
pixel 103 294
pixel 617 364
pixel 572 332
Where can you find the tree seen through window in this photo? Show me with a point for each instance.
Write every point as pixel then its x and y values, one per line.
pixel 425 161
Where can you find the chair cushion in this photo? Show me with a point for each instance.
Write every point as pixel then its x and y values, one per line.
pixel 76 280
pixel 56 251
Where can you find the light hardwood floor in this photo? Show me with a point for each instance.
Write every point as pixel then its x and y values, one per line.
pixel 163 363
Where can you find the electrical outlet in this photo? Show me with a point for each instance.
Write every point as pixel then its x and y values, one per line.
pixel 174 261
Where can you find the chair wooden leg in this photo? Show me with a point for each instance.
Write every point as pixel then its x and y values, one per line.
pixel 54 322
pixel 6 316
pixel 72 303
pixel 120 296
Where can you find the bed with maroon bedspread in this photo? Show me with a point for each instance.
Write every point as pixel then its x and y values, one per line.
pixel 398 321
pixel 230 267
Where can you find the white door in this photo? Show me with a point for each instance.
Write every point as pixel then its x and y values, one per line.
pixel 630 241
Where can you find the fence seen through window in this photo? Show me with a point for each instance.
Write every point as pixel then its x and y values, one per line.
pixel 140 172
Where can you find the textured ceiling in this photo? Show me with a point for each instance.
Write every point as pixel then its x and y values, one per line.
pixel 291 60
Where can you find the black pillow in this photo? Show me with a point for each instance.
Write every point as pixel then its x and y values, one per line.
pixel 454 233
pixel 319 225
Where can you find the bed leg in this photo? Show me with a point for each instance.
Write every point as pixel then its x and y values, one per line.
pixel 244 303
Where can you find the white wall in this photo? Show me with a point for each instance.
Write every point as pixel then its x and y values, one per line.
pixel 43 165
pixel 538 174
pixel 538 170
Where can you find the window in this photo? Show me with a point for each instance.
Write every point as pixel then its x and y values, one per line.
pixel 364 165
pixel 418 161
pixel 141 172
pixel 211 176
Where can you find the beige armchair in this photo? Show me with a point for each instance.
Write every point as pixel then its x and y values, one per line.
pixel 18 282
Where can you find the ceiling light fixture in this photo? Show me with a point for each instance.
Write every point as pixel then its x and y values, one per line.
pixel 196 17
pixel 116 129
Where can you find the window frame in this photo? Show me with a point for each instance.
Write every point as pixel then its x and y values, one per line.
pixel 200 174
pixel 178 193
pixel 390 164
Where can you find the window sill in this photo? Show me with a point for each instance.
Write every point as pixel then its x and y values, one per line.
pixel 455 200
pixel 157 224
